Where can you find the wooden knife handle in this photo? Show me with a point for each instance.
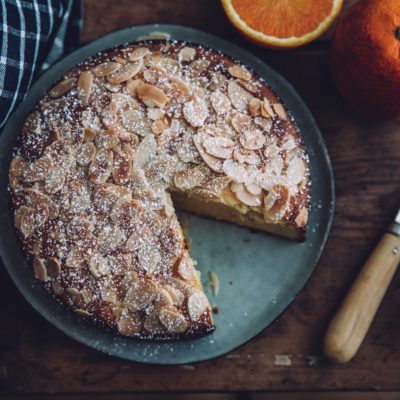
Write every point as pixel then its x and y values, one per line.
pixel 351 322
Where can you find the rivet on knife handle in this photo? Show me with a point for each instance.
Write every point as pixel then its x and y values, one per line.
pixel 351 322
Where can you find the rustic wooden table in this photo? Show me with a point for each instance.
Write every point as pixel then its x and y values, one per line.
pixel 36 359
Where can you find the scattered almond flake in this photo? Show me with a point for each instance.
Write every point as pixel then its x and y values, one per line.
pixel 240 72
pixel 138 53
pixel 127 71
pixel 242 155
pixel 251 86
pixel 151 95
pixel 85 83
pixel 101 167
pixel 247 198
pixel 89 134
pixel 120 60
pixel 62 88
pixel 213 162
pixel 82 312
pixel 173 320
pixel 129 324
pixel 39 269
pixel 253 188
pixel 253 139
pixel 241 122
pixel 86 154
pixel 220 102
pixel 279 110
pixel 187 54
pixel 106 68
pixel 283 360
pixel 220 147
pixel 239 96
pixel 197 305
pixel 235 171
pixel 195 111
pixel 197 67
pixel 255 107
pixel 266 109
pixel 213 282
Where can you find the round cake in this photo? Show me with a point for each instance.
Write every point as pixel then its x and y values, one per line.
pixel 120 141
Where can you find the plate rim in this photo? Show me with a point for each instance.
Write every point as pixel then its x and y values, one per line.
pixel 223 46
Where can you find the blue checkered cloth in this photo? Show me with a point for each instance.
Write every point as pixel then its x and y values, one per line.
pixel 33 35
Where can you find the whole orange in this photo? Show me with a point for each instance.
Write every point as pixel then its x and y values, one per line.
pixel 365 57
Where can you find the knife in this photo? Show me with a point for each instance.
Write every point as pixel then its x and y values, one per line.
pixel 351 322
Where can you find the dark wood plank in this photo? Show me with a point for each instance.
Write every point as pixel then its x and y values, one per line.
pixel 36 358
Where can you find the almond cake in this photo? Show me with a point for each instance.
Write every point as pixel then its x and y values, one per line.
pixel 115 145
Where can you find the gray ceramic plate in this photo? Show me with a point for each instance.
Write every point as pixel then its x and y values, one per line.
pixel 259 274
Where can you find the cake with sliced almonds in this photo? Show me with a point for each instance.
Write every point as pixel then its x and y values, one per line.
pixel 119 142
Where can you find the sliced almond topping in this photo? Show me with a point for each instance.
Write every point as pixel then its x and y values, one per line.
pixel 106 68
pixel 214 163
pixel 197 67
pixel 138 53
pixel 62 88
pixel 122 168
pixel 57 288
pixel 111 237
pixel 130 324
pixel 35 198
pixel 190 178
pixel 145 151
pixel 176 295
pixel 302 218
pixel 89 134
pixel 220 147
pixel 85 87
pixel 214 282
pixel 242 155
pixel 152 323
pixel 53 267
pixel 251 86
pixel 217 184
pixel 241 122
pixel 296 170
pixel 98 265
pixel 185 268
pixel 38 170
pixel 158 126
pixel 86 154
pixel 125 72
pixel 239 96
pixel 173 320
pixel 149 258
pixel 253 139
pixel 132 85
pixel 101 167
pixel 106 140
pixel 206 194
pixel 163 299
pixel 276 203
pixel 180 91
pixel 82 312
pixel 255 107
pixel 187 54
pixel 266 109
pixel 151 95
pixel 155 113
pixel 18 215
pixel 253 188
pixel 113 88
pixel 247 198
pixel 124 211
pixel 39 269
pixel 76 297
pixel 197 305
pixel 220 102
pixel 235 171
pixel 264 123
pixel 195 111
pixel 74 258
pixel 240 72
pixel 18 166
pixel 141 294
pixel 120 60
pixel 279 110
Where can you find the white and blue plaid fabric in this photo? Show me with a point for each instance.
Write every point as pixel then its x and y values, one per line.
pixel 33 35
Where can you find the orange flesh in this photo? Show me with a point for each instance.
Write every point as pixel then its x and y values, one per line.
pixel 266 16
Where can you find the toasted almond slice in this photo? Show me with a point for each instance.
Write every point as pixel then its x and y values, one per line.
pixel 213 162
pixel 276 203
pixel 240 72
pixel 89 134
pixel 141 294
pixel 106 140
pixel 120 60
pixel 198 67
pixel 151 95
pixel 138 53
pixel 253 188
pixel 85 87
pixel 241 122
pixel 163 299
pixel 62 88
pixel 35 198
pixel 82 312
pixel 239 96
pixel 179 90
pixel 255 107
pixel 190 178
pixel 86 154
pixel 39 269
pixel 158 126
pixel 280 111
pixel 220 147
pixel 206 194
pixel 251 86
pixel 18 166
pixel 74 258
pixel 54 182
pixel 185 268
pixel 38 169
pixel 264 123
pixel 125 72
pixel 266 109
pixel 130 324
pixel 217 184
pixel 98 265
pixel 53 267
pixel 106 68
pixel 111 237
pixel 124 211
pixel 155 113
pixel 176 295
pixel 197 305
pixel 18 215
pixel 101 167
pixel 122 168
pixel 173 320
pixel 253 139
pixel 76 297
pixel 235 171
pixel 152 323
pixel 132 85
pixel 242 155
pixel 57 288
pixel 220 102
pixel 195 111
pixel 247 198
pixel 187 54
pixel 296 170
pixel 149 258
pixel 145 151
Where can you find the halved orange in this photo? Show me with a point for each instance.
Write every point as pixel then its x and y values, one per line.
pixel 282 23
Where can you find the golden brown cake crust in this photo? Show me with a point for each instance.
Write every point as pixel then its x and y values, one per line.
pixel 97 157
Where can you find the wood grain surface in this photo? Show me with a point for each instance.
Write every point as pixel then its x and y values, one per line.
pixel 35 358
